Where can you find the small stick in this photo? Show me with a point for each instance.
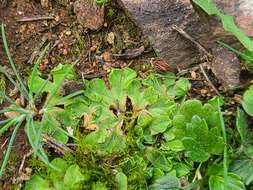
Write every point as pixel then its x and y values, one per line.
pixel 208 80
pixel 23 161
pixel 60 148
pixel 2 146
pixel 202 50
pixel 31 19
pixel 187 36
pixel 37 33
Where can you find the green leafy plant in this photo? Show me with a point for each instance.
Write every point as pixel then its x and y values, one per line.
pixel 69 178
pixel 229 25
pixel 119 119
pixel 102 1
pixel 247 102
pixel 138 133
pixel 38 118
pixel 227 21
pixel 242 165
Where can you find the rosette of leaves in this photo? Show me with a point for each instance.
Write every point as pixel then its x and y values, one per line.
pixel 38 116
pixel 127 106
pixel 196 129
pixel 158 115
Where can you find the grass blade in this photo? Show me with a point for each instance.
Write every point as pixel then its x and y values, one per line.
pixel 24 90
pixel 60 129
pixel 225 156
pixel 11 101
pixel 38 150
pixel 15 109
pixel 8 76
pixel 62 100
pixel 5 121
pixel 40 90
pixel 239 53
pixel 31 141
pixel 7 126
pixel 8 151
pixel 35 68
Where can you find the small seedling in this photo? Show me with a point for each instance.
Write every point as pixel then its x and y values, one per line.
pixel 36 119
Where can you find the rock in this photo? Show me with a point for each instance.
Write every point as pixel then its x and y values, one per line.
pixel 226 67
pixel 89 14
pixel 157 18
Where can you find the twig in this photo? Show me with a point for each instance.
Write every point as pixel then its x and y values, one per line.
pixel 23 161
pixel 187 36
pixel 60 148
pixel 2 146
pixel 37 33
pixel 202 50
pixel 208 80
pixel 30 19
pixel 130 54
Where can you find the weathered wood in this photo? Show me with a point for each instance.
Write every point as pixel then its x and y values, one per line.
pixel 157 17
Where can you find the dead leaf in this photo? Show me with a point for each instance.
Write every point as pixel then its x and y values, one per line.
pixel 110 38
pixel 13 114
pixel 92 127
pixel 107 56
pixel 44 3
pixel 87 123
pixel 160 64
pixel 130 53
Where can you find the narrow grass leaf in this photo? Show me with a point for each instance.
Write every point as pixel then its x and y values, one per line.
pixel 62 100
pixel 35 67
pixel 225 154
pixel 24 90
pixel 5 72
pixel 6 126
pixel 31 141
pixel 8 151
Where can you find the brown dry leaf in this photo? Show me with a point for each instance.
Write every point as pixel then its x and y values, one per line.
pixel 160 64
pixel 89 14
pixel 110 38
pixel 87 123
pixel 107 56
pixel 193 74
pixel 92 127
pixel 44 3
pixel 13 114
